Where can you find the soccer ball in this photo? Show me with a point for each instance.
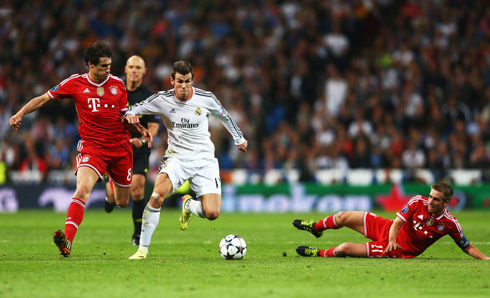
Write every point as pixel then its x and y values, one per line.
pixel 232 247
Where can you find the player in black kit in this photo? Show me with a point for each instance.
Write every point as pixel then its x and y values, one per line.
pixel 135 69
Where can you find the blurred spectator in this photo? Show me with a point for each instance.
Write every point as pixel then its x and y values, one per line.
pixel 361 157
pixel 300 77
pixel 335 90
pixel 332 158
pixel 413 157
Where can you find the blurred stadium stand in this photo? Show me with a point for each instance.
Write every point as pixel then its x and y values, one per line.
pixel 325 91
pixel 273 177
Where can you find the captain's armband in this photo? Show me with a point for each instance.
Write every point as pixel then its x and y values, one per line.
pixel 463 243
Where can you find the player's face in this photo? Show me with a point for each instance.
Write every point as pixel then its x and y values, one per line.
pixel 101 71
pixel 182 85
pixel 135 69
pixel 436 204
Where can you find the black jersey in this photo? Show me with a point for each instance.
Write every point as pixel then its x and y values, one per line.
pixel 141 93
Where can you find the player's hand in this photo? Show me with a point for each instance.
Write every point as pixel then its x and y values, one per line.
pixel 243 146
pixel 137 142
pixel 133 119
pixel 16 121
pixel 145 133
pixel 391 246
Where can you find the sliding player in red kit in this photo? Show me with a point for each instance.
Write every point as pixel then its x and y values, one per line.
pixel 100 100
pixel 417 226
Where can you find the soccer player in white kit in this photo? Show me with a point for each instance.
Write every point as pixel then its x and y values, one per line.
pixel 184 111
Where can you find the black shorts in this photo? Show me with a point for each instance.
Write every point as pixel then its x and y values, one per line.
pixel 141 161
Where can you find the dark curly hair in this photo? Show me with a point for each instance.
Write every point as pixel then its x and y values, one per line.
pixel 182 67
pixel 96 51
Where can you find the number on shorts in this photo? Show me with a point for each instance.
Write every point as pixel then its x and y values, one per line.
pixel 129 175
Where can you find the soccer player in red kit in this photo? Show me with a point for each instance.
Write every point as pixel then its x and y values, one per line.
pixel 417 226
pixel 100 100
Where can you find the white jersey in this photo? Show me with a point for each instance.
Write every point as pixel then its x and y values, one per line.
pixel 187 121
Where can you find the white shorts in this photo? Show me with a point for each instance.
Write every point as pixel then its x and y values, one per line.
pixel 203 174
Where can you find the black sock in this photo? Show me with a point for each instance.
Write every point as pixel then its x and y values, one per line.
pixel 138 207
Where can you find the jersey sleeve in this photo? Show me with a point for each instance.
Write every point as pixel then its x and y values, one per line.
pixel 217 110
pixel 151 118
pixel 63 89
pixel 458 235
pixel 149 106
pixel 408 210
pixel 123 102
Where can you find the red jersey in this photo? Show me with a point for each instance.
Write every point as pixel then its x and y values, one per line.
pixel 421 230
pixel 99 108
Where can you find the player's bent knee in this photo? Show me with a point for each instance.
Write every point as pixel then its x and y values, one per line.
pixel 339 217
pixel 122 204
pixel 137 195
pixel 342 250
pixel 212 215
pixel 82 193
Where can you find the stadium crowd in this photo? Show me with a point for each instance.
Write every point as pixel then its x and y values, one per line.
pixel 313 84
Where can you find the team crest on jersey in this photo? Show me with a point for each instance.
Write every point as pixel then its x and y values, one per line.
pixel 85 158
pixel 198 112
pixel 100 91
pixel 113 90
pixel 55 88
pixel 440 227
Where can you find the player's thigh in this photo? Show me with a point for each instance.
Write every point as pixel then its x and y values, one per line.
pixel 206 179
pixel 351 219
pixel 377 228
pixel 120 166
pixel 138 187
pixel 172 172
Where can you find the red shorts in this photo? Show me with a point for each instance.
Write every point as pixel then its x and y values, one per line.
pixel 117 161
pixel 377 229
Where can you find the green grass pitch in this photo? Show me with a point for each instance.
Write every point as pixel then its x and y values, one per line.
pixel 188 264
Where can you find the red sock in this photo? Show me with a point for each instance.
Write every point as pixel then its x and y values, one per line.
pixel 327 253
pixel 326 223
pixel 74 218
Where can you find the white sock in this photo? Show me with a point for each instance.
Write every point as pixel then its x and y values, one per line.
pixel 151 217
pixel 195 207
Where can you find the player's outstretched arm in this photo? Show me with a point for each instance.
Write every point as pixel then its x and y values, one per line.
pixel 31 106
pixel 475 252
